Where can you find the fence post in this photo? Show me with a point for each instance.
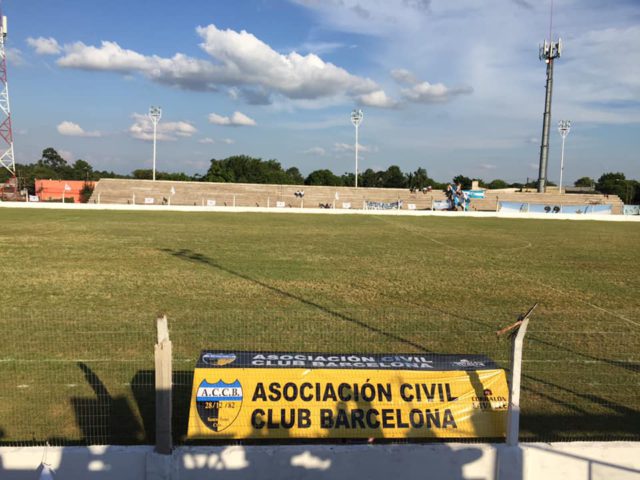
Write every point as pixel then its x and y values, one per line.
pixel 517 339
pixel 509 457
pixel 163 387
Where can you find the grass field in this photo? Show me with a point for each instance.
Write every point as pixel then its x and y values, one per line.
pixel 81 291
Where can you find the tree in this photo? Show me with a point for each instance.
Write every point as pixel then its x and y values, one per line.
pixel 462 180
pixel 418 179
pixel 370 178
pixel 616 184
pixel 81 170
pixel 143 174
pixel 52 165
pixel 295 176
pixel 323 177
pixel 497 184
pixel 584 182
pixel 86 192
pixel 394 178
pixel 349 179
pixel 53 160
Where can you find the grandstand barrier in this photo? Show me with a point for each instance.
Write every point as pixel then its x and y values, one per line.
pixel 551 208
pixel 632 209
pixel 329 211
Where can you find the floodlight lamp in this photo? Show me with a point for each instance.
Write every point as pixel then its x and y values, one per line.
pixel 564 126
pixel 356 117
pixel 155 113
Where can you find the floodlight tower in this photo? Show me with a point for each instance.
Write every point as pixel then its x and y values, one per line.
pixel 549 51
pixel 6 134
pixel 155 113
pixel 356 119
pixel 564 126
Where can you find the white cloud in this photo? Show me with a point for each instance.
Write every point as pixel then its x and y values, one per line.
pixel 228 141
pixel 240 60
pixel 426 92
pixel 350 147
pixel 66 154
pixel 246 59
pixel 71 129
pixel 142 129
pixel 320 48
pixel 44 46
pixel 404 76
pixel 318 151
pixel 14 56
pixel 487 166
pixel 377 99
pixel 238 119
pixel 207 141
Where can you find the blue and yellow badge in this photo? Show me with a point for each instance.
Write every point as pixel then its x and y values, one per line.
pixel 219 403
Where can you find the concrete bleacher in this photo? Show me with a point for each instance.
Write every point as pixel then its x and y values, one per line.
pixel 253 195
pixel 160 192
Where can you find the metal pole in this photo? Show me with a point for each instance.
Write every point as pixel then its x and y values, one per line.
pixel 356 155
pixel 564 126
pixel 356 118
pixel 546 121
pixel 155 113
pixel 155 126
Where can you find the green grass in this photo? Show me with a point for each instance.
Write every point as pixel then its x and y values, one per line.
pixel 81 291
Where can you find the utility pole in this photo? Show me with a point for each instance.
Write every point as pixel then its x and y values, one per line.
pixel 7 159
pixel 155 113
pixel 564 126
pixel 549 51
pixel 356 119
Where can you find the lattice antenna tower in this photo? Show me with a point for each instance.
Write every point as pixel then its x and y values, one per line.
pixel 6 134
pixel 549 51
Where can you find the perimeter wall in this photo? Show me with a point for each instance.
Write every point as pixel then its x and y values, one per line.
pixel 555 461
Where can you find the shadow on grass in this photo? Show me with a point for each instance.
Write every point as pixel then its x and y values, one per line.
pixel 189 255
pixel 632 367
pixel 103 419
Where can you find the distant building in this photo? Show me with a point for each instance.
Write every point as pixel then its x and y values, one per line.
pixel 48 190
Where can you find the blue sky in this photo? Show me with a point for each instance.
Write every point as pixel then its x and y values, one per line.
pixel 453 86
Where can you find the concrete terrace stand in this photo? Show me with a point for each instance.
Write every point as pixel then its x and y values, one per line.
pixel 148 192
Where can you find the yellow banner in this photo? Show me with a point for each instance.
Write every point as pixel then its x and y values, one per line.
pixel 254 403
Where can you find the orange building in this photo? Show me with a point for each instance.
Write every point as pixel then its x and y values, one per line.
pixel 54 189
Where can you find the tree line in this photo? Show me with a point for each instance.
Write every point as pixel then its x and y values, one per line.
pixel 246 169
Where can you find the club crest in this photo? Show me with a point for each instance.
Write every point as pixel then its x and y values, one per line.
pixel 219 403
pixel 218 359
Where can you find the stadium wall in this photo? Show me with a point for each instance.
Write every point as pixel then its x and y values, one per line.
pixel 556 461
pixel 323 211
